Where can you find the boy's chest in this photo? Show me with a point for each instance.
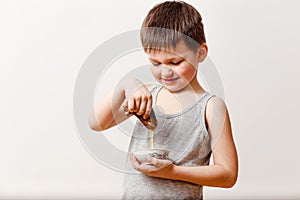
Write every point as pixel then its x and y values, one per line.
pixel 169 103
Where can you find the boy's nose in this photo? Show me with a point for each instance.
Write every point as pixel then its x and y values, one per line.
pixel 166 71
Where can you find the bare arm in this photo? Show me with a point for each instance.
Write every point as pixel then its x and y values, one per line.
pixel 109 111
pixel 224 171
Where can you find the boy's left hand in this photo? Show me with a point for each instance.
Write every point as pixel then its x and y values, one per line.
pixel 158 168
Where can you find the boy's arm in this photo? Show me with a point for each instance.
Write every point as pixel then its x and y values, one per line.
pixel 224 171
pixel 109 111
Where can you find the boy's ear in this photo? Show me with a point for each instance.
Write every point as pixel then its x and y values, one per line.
pixel 202 52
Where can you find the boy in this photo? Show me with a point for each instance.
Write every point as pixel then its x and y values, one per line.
pixel 192 123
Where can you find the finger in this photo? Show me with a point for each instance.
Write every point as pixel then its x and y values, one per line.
pixel 137 102
pixel 148 108
pixel 125 107
pixel 143 167
pixel 131 104
pixel 159 163
pixel 134 162
pixel 142 107
pixel 152 168
pixel 146 168
pixel 154 161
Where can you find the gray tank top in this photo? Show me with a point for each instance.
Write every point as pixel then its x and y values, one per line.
pixel 186 136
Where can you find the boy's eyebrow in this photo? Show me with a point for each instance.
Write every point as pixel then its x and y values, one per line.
pixel 151 59
pixel 167 60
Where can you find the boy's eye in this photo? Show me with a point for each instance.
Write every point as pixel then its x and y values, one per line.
pixel 176 63
pixel 156 64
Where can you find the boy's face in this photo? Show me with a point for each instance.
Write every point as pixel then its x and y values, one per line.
pixel 174 69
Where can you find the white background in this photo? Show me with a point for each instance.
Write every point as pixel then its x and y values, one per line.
pixel 254 45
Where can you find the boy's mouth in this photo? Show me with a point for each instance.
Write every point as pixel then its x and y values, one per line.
pixel 169 80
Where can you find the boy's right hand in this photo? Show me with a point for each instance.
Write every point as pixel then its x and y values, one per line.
pixel 138 98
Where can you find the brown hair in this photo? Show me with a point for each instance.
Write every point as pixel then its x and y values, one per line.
pixel 169 22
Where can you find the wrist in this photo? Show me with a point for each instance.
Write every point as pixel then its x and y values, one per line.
pixel 170 172
pixel 129 84
pixel 174 170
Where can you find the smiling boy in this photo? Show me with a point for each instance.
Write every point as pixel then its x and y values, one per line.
pixel 192 123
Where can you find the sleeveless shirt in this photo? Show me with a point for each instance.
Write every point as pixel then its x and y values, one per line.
pixel 185 135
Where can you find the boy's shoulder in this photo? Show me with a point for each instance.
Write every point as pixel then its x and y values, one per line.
pixel 215 105
pixel 215 116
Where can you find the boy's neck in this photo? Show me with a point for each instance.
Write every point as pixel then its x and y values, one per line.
pixel 174 102
pixel 194 88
